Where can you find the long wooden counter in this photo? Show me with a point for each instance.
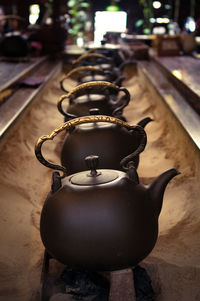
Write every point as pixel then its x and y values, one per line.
pixel 12 71
pixel 184 73
pixel 12 78
pixel 188 68
pixel 181 95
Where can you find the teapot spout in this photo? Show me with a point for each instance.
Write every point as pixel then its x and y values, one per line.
pixel 157 188
pixel 144 122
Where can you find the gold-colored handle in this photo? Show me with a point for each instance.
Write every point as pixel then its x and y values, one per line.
pixel 87 55
pixel 67 126
pixel 82 68
pixel 87 88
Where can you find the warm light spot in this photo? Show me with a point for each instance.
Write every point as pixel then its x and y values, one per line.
pixel 190 24
pixel 177 73
pixel 166 20
pixel 156 4
pixel 168 6
pixel 162 20
pixel 152 20
pixel 34 13
pixel 112 8
pixel 159 30
pixel 106 21
pixel 80 41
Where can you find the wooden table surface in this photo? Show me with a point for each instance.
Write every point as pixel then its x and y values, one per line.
pixel 16 104
pixel 185 68
pixel 10 72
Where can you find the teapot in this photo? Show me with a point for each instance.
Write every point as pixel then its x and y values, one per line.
pixel 111 52
pixel 91 73
pixel 103 62
pixel 14 44
pixel 97 94
pixel 101 219
pixel 109 140
pixel 94 59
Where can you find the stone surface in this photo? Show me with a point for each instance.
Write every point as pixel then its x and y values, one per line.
pixel 122 286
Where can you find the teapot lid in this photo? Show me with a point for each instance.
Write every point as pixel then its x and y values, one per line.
pixel 95 125
pixel 105 66
pixel 96 77
pixel 93 177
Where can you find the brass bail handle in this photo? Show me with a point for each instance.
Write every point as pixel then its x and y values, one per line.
pixel 89 86
pixel 89 55
pixel 77 121
pixel 75 70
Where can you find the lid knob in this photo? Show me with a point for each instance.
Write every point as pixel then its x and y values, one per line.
pixel 94 177
pixel 92 163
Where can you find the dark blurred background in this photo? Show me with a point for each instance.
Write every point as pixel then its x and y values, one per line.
pixel 134 9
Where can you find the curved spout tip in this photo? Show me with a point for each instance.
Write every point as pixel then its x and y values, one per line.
pixel 144 122
pixel 157 188
pixel 174 172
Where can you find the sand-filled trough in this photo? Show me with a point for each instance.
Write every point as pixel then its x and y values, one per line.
pixel 173 265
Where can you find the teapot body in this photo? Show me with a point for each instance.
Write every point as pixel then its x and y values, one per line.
pixel 110 142
pixel 111 74
pixel 105 227
pixel 14 45
pixel 81 105
pixel 105 96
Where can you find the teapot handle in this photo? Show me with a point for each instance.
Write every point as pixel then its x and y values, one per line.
pixel 121 104
pixel 82 68
pixel 88 119
pixel 91 55
pixel 94 84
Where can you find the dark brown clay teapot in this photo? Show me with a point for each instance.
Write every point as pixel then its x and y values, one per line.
pixel 101 219
pixel 109 140
pixel 90 73
pixel 101 61
pixel 94 59
pixel 100 94
pixel 14 44
pixel 107 75
pixel 104 63
pixel 110 52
